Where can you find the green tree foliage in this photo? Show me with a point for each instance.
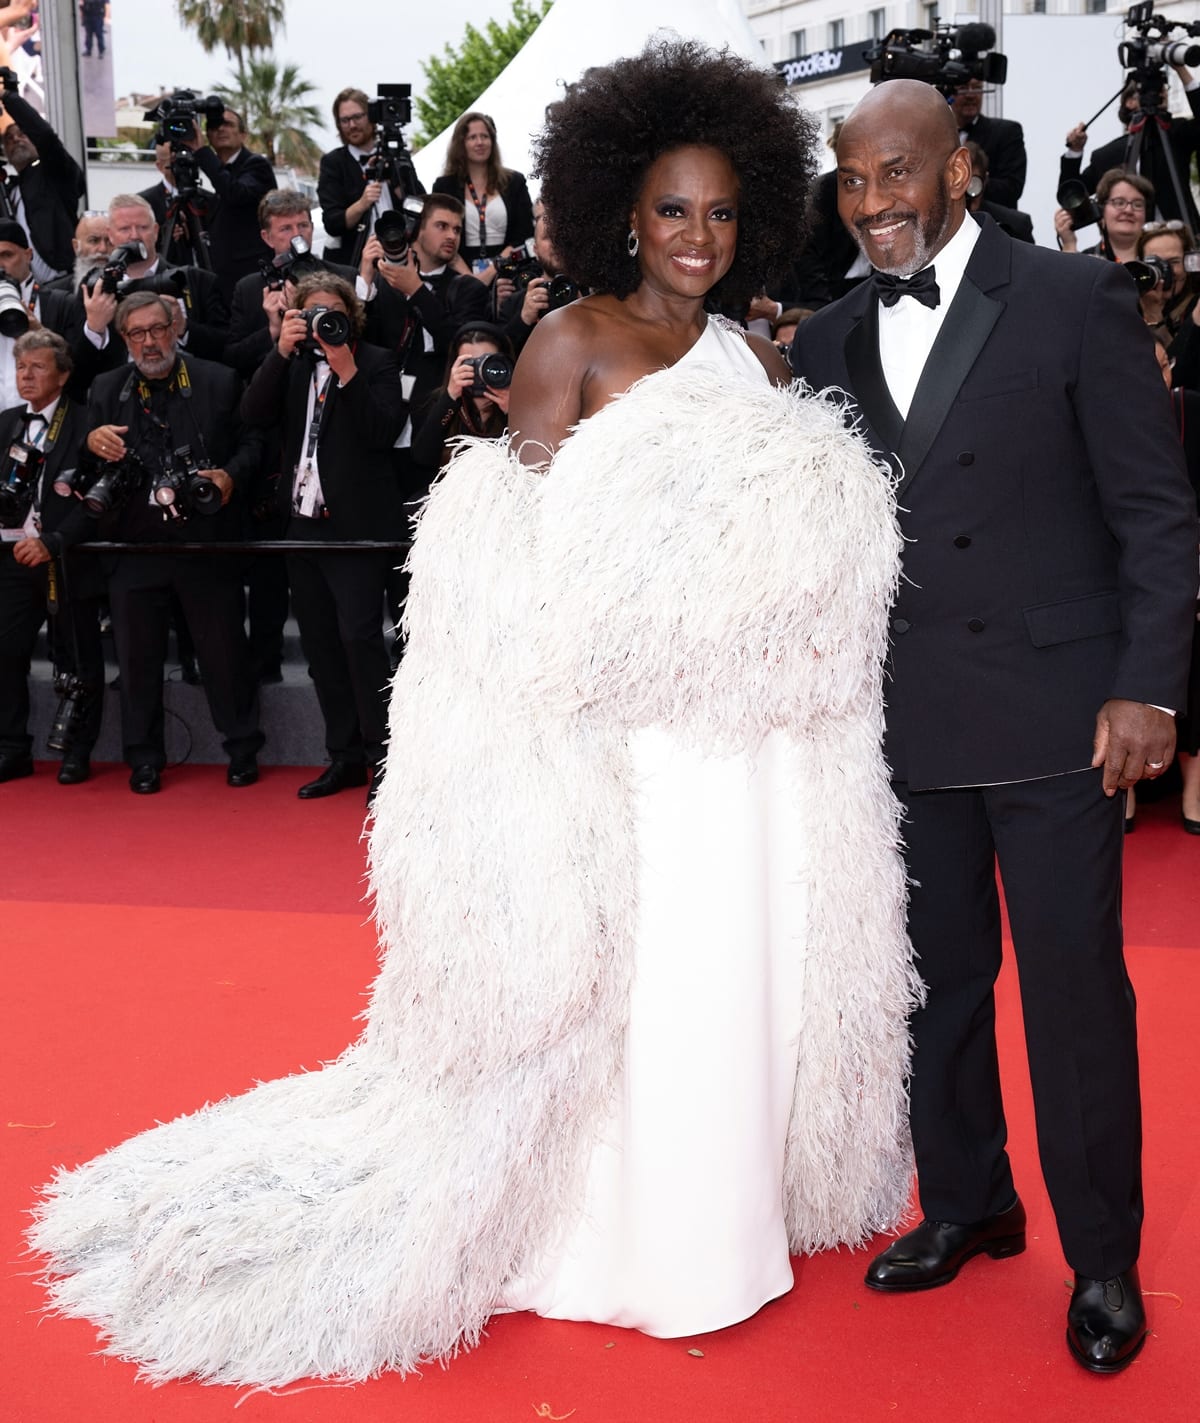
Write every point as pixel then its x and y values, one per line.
pixel 455 82
pixel 241 28
pixel 271 97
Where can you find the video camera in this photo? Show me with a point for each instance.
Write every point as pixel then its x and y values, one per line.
pixel 297 262
pixel 180 490
pixel 391 163
pixel 946 57
pixel 178 115
pixel 1149 51
pixel 110 276
pixel 332 326
pixel 18 482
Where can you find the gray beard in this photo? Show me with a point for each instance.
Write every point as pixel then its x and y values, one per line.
pixel 927 240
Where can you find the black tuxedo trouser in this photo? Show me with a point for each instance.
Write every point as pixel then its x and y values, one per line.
pixel 1058 844
pixel 210 593
pixel 22 613
pixel 338 602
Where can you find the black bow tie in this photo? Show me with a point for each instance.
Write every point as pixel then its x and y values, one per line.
pixel 30 416
pixel 923 286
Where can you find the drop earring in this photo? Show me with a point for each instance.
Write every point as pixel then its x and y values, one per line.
pixel 631 242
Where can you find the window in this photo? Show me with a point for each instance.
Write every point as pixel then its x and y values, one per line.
pixel 837 34
pixel 1096 7
pixel 799 44
pixel 876 24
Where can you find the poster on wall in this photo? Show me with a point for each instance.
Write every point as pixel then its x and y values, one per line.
pixel 21 50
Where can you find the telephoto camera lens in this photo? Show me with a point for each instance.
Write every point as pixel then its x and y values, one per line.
pixel 14 317
pixel 492 370
pixel 333 327
pixel 392 231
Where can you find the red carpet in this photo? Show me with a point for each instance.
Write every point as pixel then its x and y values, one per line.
pixel 164 951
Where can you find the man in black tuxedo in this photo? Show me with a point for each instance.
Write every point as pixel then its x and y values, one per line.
pixel 1040 642
pixel 44 196
pixel 347 193
pixel 241 180
pixel 51 309
pixel 338 411
pixel 151 408
pixel 54 427
pixel 1017 224
pixel 201 203
pixel 1182 138
pixel 1001 139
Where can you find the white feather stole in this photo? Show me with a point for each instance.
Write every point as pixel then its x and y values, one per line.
pixel 718 560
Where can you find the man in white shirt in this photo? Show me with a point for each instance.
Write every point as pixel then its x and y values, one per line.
pixel 1040 636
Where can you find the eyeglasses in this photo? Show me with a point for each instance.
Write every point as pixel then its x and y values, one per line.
pixel 148 333
pixel 1133 204
pixel 1173 225
pixel 347 119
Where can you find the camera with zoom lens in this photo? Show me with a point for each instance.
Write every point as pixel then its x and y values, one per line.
pixel 180 490
pixel 18 482
pixel 946 57
pixel 331 325
pixel 107 489
pixel 297 262
pixel 1075 198
pixel 1150 274
pixel 397 227
pixel 110 276
pixel 73 694
pixel 494 371
pixel 179 114
pixel 518 269
pixel 1151 49
pixel 14 314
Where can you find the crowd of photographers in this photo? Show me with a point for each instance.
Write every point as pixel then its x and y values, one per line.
pixel 182 370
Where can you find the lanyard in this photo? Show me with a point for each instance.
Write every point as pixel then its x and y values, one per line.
pixel 314 428
pixel 481 209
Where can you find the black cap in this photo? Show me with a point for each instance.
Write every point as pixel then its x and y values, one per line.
pixel 13 232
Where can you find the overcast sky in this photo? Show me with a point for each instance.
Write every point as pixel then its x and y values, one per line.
pixel 359 42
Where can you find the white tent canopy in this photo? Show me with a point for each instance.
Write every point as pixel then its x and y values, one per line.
pixel 574 36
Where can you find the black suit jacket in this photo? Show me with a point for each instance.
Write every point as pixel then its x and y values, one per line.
pixel 233 234
pixel 1004 143
pixel 208 420
pixel 203 205
pixel 249 339
pixel 1050 555
pixel 360 424
pixel 50 188
pixel 340 182
pixel 1018 225
pixel 396 322
pixel 517 205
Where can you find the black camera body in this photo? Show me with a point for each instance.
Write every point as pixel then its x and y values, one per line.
pixel 946 57
pixel 110 276
pixel 391 162
pixel 178 114
pixel 73 694
pixel 104 488
pixel 1151 274
pixel 397 227
pixel 1151 49
pixel 518 269
pixel 293 265
pixel 19 481
pixel 492 370
pixel 180 490
pixel 332 326
pixel 1075 198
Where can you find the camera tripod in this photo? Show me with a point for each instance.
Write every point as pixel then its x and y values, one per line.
pixel 182 211
pixel 393 167
pixel 1147 134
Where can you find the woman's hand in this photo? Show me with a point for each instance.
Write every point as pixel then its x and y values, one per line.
pixel 462 377
pixel 1067 240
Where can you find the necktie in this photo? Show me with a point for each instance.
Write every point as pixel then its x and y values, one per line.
pixel 923 286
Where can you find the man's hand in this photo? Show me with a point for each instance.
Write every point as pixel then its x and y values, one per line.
pixel 1133 742
pixel 537 301
pixel 193 140
pixel 1077 139
pixel 274 303
pixel 364 204
pixel 292 330
pixel 106 443
pixel 371 254
pixel 31 552
pixel 763 308
pixel 221 479
pixel 403 276
pixel 341 361
pixel 100 306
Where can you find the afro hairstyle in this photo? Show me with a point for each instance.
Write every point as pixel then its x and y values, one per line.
pixel 602 137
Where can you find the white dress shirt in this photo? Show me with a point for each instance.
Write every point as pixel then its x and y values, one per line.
pixel 908 330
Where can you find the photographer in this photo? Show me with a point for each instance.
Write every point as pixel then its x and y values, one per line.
pixel 1162 247
pixel 202 317
pixel 49 184
pixel 177 416
pixel 1123 201
pixel 1000 139
pixel 23 296
pixel 91 245
pixel 241 180
pixel 201 204
pixel 349 190
pixel 261 298
pixel 49 430
pixel 420 300
pixel 467 404
pixel 1182 135
pixel 337 407
pixel 979 199
pixel 534 296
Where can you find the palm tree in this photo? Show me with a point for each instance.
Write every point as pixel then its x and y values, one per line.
pixel 240 27
pixel 271 99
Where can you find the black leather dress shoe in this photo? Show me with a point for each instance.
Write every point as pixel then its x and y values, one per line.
pixel 14 765
pixel 75 768
pixel 935 1251
pixel 242 771
pixel 1106 1324
pixel 1191 826
pixel 337 776
pixel 144 780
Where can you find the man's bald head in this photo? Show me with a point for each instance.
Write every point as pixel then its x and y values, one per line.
pixel 902 176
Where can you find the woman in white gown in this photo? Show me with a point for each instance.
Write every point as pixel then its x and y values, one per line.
pixel 640 1024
